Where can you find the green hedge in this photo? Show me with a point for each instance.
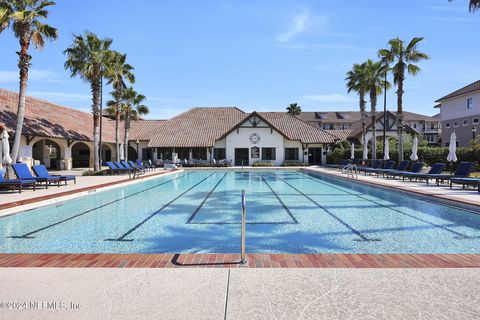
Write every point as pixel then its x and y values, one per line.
pixel 262 164
pixel 428 155
pixel 293 163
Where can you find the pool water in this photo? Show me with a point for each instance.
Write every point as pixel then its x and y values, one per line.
pixel 199 212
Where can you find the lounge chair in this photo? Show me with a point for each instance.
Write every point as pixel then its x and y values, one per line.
pixel 42 172
pixel 462 171
pixel 402 166
pixel 437 168
pixel 377 164
pixel 16 184
pixel 416 168
pixel 113 168
pixel 465 182
pixel 136 166
pixel 23 173
pixel 121 166
pixel 130 167
pixel 148 165
pixel 389 165
pixel 342 164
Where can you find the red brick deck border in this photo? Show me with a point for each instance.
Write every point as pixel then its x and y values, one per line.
pixel 231 260
pixel 14 204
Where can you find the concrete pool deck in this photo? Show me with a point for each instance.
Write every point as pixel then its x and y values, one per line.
pixel 50 293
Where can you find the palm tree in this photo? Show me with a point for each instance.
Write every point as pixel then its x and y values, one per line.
pixel 356 82
pixel 25 18
pixel 294 109
pixel 90 57
pixel 131 109
pixel 402 57
pixel 374 80
pixel 119 72
pixel 474 5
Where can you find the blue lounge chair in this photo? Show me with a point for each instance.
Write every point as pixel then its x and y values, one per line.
pixel 113 168
pixel 145 165
pixel 416 168
pixel 42 172
pixel 376 164
pixel 389 165
pixel 130 167
pixel 437 168
pixel 465 182
pixel 15 184
pixel 342 164
pixel 23 173
pixel 136 166
pixel 462 171
pixel 402 166
pixel 121 166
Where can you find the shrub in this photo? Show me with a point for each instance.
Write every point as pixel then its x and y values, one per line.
pixel 262 164
pixel 293 163
pixel 92 173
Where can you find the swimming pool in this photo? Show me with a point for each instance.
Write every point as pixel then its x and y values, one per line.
pixel 199 212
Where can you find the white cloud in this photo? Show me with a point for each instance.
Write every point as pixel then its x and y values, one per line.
pixel 298 24
pixel 9 76
pixel 329 98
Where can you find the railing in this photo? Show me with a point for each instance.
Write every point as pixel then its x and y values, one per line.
pixel 243 256
pixel 351 170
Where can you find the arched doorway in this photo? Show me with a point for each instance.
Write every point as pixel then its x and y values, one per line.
pixel 47 152
pixel 132 153
pixel 80 155
pixel 106 153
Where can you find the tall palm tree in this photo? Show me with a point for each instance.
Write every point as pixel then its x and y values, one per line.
pixel 374 80
pixel 474 5
pixel 402 57
pixel 131 109
pixel 25 17
pixel 90 58
pixel 294 109
pixel 119 72
pixel 356 82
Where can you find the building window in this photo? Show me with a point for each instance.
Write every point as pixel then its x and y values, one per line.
pixel 291 153
pixel 219 154
pixel 268 154
pixel 447 125
pixel 475 121
pixel 328 126
pixel 469 103
pixel 466 122
pixel 455 124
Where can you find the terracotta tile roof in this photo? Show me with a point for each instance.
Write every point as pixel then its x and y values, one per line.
pixel 296 129
pixel 341 134
pixel 142 129
pixel 352 116
pixel 356 128
pixel 472 87
pixel 197 127
pixel 46 119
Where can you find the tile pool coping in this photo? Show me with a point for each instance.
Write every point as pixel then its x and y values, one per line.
pixel 232 261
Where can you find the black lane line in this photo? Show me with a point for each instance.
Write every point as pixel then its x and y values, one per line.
pixel 459 235
pixel 28 235
pixel 349 227
pixel 122 237
pixel 280 200
pixel 205 200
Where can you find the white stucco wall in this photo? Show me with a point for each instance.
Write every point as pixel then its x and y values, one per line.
pixel 457 107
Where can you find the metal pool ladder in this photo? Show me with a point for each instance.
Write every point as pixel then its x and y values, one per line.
pixel 351 170
pixel 243 256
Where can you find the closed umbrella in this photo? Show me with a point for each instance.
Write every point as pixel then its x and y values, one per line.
pixel 452 148
pixel 122 152
pixel 365 152
pixel 386 155
pixel 5 158
pixel 414 156
pixel 352 153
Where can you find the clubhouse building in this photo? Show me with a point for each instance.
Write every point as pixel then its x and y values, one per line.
pixel 62 137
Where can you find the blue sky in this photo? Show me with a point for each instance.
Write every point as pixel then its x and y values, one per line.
pixel 257 55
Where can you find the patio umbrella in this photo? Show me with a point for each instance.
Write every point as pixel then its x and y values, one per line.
pixel 122 152
pixel 5 158
pixel 386 155
pixel 365 152
pixel 414 156
pixel 452 148
pixel 352 154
